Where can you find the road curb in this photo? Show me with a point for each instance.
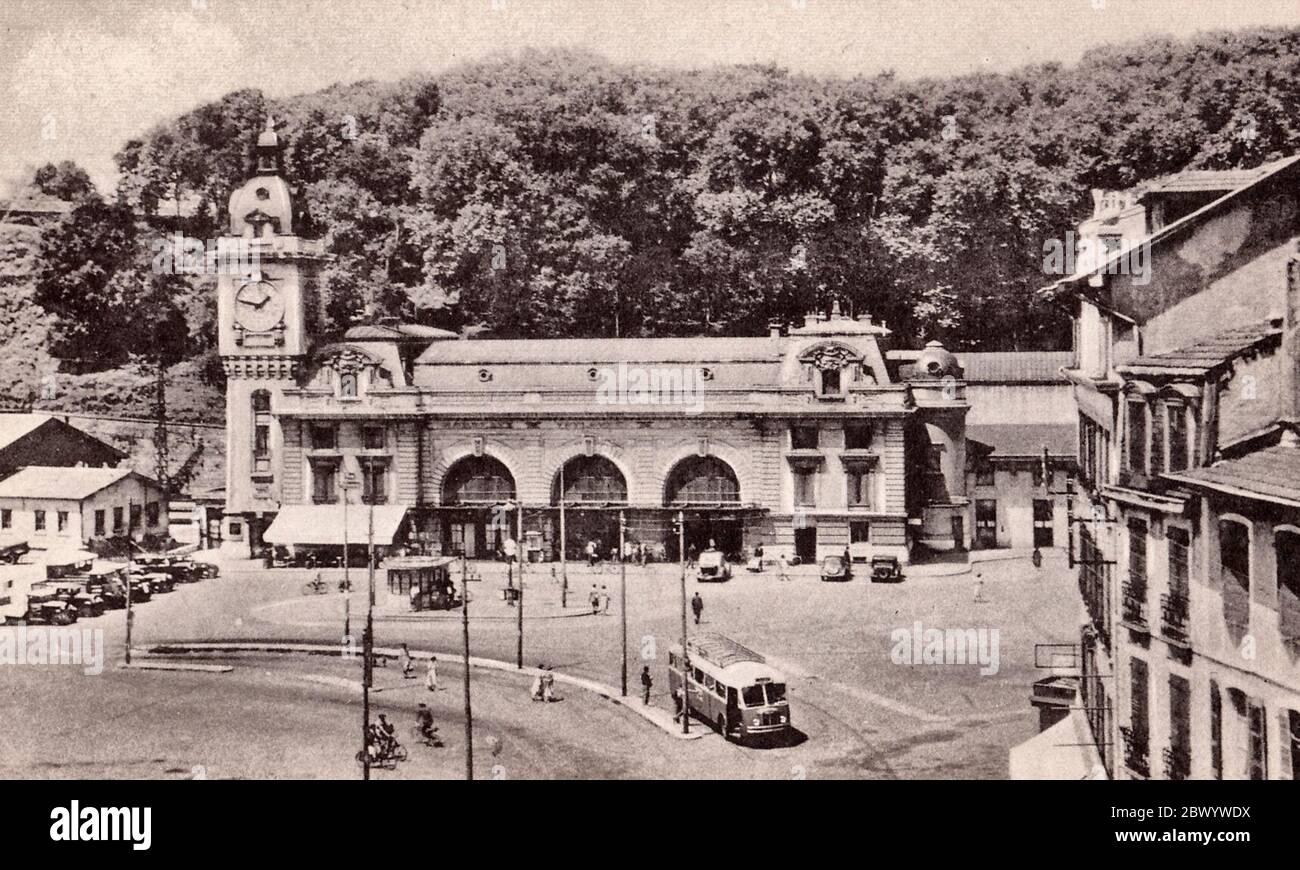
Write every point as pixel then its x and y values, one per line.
pixel 653 715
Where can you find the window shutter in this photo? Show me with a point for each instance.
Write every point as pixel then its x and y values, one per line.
pixel 1286 768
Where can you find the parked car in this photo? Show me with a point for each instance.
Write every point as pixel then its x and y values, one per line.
pixel 836 569
pixel 73 592
pixel 712 567
pixel 886 569
pixel 158 582
pixel 46 608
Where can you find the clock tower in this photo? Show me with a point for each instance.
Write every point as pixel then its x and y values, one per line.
pixel 267 311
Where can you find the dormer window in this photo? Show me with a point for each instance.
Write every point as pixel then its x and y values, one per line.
pixel 831 382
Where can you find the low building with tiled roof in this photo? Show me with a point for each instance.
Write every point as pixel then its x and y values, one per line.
pixel 53 507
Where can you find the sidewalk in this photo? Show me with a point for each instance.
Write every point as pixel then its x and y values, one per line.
pixel 656 716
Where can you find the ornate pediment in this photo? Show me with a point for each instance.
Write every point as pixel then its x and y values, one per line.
pixel 831 356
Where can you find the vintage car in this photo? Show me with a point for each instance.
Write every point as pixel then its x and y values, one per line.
pixel 886 569
pixel 159 582
pixel 46 608
pixel 836 569
pixel 73 591
pixel 712 567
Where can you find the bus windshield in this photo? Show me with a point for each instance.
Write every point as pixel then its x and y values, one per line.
pixel 753 696
pixel 775 693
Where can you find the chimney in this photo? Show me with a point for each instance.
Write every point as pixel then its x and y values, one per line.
pixel 774 328
pixel 1289 409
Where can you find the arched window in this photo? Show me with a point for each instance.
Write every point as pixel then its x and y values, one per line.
pixel 702 480
pixel 478 480
pixel 591 479
pixel 1234 567
pixel 348 385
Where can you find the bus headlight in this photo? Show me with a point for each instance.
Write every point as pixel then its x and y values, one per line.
pixel 756 722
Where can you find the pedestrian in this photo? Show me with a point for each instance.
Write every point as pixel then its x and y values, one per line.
pixel 646 682
pixel 691 553
pixel 697 607
pixel 431 675
pixel 407 665
pixel 783 566
pixel 511 549
pixel 604 600
pixel 1038 558
pixel 594 599
pixel 677 706
pixel 591 554
pixel 548 686
pixel 539 681
pixel 641 550
pixel 979 589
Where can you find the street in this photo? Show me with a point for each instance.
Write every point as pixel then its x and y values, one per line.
pixel 858 714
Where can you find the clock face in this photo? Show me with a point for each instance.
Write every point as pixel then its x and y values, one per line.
pixel 259 307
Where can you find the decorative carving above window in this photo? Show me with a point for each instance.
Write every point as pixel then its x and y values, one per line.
pixel 831 357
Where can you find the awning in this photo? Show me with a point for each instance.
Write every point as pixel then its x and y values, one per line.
pixel 1064 751
pixel 323 524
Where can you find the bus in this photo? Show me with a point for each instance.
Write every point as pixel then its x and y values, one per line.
pixel 732 688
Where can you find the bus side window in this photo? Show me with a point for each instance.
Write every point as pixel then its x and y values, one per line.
pixel 698 674
pixel 731 697
pixel 708 682
pixel 722 690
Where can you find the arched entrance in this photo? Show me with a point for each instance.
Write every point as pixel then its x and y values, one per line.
pixel 592 489
pixel 707 493
pixel 474 490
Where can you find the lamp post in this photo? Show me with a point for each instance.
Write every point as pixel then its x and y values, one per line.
pixel 464 622
pixel 686 658
pixel 350 482
pixel 622 591
pixel 564 541
pixel 519 615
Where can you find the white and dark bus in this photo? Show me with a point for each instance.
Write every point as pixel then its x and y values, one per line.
pixel 731 687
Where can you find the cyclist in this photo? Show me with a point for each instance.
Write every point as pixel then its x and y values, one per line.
pixel 424 720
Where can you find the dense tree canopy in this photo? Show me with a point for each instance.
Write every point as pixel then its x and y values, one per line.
pixel 558 194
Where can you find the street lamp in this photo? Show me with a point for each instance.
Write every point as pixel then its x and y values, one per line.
pixel 349 482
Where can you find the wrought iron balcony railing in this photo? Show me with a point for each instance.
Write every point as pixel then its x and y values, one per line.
pixel 1136 750
pixel 1173 616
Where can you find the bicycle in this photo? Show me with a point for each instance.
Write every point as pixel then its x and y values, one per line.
pixel 432 738
pixel 315 587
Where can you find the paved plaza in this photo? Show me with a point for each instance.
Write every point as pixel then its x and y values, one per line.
pixel 858 713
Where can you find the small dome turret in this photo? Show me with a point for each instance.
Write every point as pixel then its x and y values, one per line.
pixel 936 362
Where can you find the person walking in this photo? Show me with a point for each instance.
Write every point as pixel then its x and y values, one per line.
pixel 431 675
pixel 594 600
pixel 697 607
pixel 548 686
pixel 539 682
pixel 591 554
pixel 647 682
pixel 408 666
pixel 677 706
pixel 783 566
pixel 604 599
pixel 979 589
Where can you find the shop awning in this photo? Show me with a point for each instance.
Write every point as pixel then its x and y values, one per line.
pixel 1064 751
pixel 322 524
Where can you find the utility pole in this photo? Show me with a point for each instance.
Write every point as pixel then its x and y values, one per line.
pixel 369 651
pixel 464 624
pixel 622 591
pixel 519 616
pixel 686 658
pixel 564 545
pixel 130 615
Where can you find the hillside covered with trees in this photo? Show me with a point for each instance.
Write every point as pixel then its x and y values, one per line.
pixel 559 194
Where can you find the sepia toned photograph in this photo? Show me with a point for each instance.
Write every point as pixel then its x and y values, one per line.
pixel 649 390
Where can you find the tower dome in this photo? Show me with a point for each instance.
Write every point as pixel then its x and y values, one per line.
pixel 263 206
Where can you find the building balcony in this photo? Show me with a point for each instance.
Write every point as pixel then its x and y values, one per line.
pixel 1133 605
pixel 1178 762
pixel 1173 617
pixel 1136 750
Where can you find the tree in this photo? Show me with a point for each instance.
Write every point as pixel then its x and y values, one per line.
pixel 66 181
